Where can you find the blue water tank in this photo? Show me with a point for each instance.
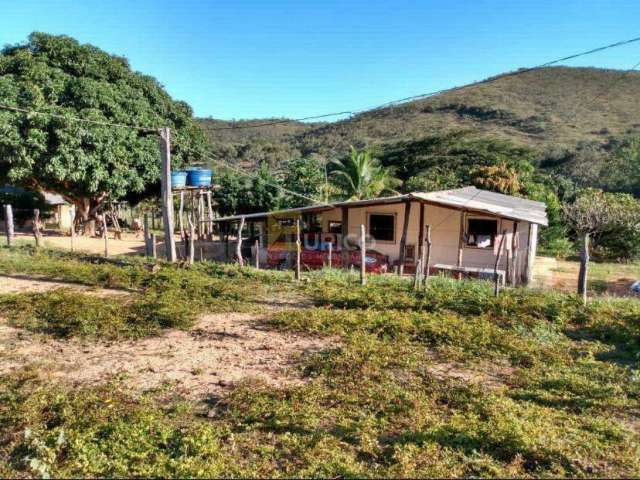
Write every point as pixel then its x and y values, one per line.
pixel 199 177
pixel 178 179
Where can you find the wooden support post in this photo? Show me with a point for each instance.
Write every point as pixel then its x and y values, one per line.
pixel 210 214
pixel 427 261
pixel 514 255
pixel 167 198
pixel 36 227
pixel 363 256
pixel 461 243
pixel 105 234
pixel 403 238
pixel 423 253
pixel 8 221
pixel 257 259
pixel 153 218
pixel 421 232
pixel 496 278
pixel 147 236
pixel 183 237
pixel 192 239
pixel 298 250
pixel 330 263
pixel 153 245
pixel 73 230
pixel 239 244
pixel 345 234
pixel 200 210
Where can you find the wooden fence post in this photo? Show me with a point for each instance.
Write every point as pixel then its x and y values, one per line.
pixel 167 196
pixel 583 274
pixel 427 260
pixel 239 244
pixel 514 255
pixel 105 233
pixel 8 221
pixel 153 244
pixel 73 230
pixel 417 277
pixel 496 278
pixel 36 227
pixel 363 256
pixel 298 250
pixel 257 259
pixel 330 254
pixel 147 244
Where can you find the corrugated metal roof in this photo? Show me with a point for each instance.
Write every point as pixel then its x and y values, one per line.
pixel 472 198
pixel 54 199
pixel 467 198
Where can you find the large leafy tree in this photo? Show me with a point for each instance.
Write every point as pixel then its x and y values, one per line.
pixel 238 194
pixel 86 163
pixel 307 177
pixel 361 176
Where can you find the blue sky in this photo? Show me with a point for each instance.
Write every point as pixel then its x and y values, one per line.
pixel 249 59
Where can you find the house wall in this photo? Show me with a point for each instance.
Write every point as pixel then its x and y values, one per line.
pixel 445 235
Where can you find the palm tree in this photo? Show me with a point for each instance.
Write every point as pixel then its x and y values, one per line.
pixel 361 176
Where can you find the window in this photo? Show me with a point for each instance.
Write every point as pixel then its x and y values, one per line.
pixel 481 232
pixel 382 226
pixel 335 227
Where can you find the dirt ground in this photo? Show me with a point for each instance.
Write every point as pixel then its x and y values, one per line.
pixel 21 283
pixel 202 363
pixel 218 352
pixel 130 244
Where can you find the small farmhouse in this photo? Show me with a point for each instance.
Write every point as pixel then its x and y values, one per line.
pixel 466 227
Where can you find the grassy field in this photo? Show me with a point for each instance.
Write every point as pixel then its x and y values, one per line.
pixel 447 381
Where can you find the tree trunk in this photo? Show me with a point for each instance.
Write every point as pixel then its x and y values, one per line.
pixel 584 265
pixel 86 210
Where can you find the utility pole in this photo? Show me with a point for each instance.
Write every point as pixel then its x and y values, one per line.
pixel 167 197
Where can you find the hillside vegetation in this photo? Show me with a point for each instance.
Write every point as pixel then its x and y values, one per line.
pixel 572 122
pixel 554 107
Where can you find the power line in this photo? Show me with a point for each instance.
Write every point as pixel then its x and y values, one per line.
pixel 77 119
pixel 333 114
pixel 435 92
pixel 279 122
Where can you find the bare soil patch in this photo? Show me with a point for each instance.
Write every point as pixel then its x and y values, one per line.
pixel 490 375
pixel 220 351
pixel 29 284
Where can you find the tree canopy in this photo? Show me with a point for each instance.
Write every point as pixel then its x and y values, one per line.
pixel 86 163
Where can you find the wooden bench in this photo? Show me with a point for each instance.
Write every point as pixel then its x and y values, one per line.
pixel 476 272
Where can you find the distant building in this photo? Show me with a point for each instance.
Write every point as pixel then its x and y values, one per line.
pixel 61 212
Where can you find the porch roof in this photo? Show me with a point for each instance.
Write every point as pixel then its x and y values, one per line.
pixel 467 199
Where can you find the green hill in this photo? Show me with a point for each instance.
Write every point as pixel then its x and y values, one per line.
pixel 555 106
pixel 574 120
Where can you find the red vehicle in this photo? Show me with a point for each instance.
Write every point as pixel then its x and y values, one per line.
pixel 316 259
